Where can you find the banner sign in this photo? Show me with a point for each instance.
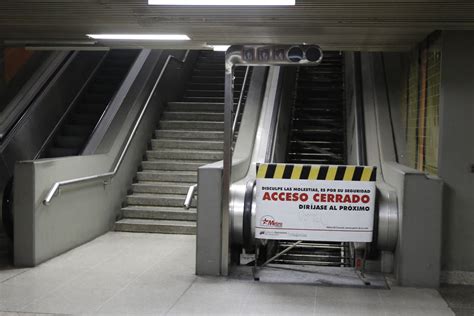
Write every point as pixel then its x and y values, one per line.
pixel 315 203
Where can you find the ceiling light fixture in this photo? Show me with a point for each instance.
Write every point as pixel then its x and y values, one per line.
pixel 220 48
pixel 222 2
pixel 141 37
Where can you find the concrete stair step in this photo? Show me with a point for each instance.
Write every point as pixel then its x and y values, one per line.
pixel 204 93
pixel 209 86
pixel 160 187
pixel 163 213
pixel 156 226
pixel 195 106
pixel 167 176
pixel 172 165
pixel 207 99
pixel 191 125
pixel 194 116
pixel 187 144
pixel 148 199
pixel 183 154
pixel 187 134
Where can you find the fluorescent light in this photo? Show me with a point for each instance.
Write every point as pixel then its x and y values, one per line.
pixel 222 2
pixel 141 37
pixel 220 48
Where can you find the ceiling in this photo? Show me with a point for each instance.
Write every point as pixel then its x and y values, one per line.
pixel 334 24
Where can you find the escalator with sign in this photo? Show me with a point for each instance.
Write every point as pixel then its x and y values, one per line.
pixel 317 137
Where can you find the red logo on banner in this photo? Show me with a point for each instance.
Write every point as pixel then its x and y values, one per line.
pixel 270 222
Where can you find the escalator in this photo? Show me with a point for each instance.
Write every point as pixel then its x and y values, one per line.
pixel 317 136
pixel 90 105
pixel 59 123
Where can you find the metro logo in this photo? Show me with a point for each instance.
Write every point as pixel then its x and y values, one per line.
pixel 270 221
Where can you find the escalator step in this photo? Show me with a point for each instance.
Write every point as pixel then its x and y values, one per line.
pixel 93 108
pixel 77 130
pixel 86 119
pixel 62 152
pixel 69 141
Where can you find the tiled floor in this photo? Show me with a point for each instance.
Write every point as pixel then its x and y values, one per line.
pixel 460 298
pixel 123 273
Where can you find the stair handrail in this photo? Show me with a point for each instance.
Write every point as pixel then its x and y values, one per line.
pixel 192 188
pixel 189 196
pixel 241 96
pixel 107 176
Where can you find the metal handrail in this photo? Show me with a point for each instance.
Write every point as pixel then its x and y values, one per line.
pixel 189 196
pixel 109 175
pixel 192 188
pixel 239 105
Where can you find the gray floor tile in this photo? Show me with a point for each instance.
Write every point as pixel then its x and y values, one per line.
pixel 349 295
pixel 458 296
pixel 412 298
pixel 331 306
pixel 151 274
pixel 8 273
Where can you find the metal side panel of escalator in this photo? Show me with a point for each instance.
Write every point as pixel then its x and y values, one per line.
pixel 81 98
pixel 90 204
pixel 76 126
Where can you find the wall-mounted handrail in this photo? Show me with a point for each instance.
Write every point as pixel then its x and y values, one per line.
pixel 109 175
pixel 239 104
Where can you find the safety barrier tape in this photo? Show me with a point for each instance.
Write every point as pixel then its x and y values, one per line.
pixel 316 172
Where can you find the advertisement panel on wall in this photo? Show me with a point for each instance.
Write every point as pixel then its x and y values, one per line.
pixel 311 202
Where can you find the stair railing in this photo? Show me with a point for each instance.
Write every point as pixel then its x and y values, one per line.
pixel 107 176
pixel 239 104
pixel 189 197
pixel 192 189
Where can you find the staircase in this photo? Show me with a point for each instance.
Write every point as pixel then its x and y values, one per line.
pixel 189 135
pixel 80 122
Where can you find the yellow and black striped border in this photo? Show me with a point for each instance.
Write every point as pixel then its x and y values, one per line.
pixel 316 172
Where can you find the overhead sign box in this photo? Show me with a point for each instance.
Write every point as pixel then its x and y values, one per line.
pixel 315 203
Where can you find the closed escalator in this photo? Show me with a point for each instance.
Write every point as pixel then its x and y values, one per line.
pixel 317 136
pixel 62 128
pixel 85 112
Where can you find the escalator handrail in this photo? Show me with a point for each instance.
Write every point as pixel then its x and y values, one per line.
pixel 107 176
pixel 133 66
pixel 37 84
